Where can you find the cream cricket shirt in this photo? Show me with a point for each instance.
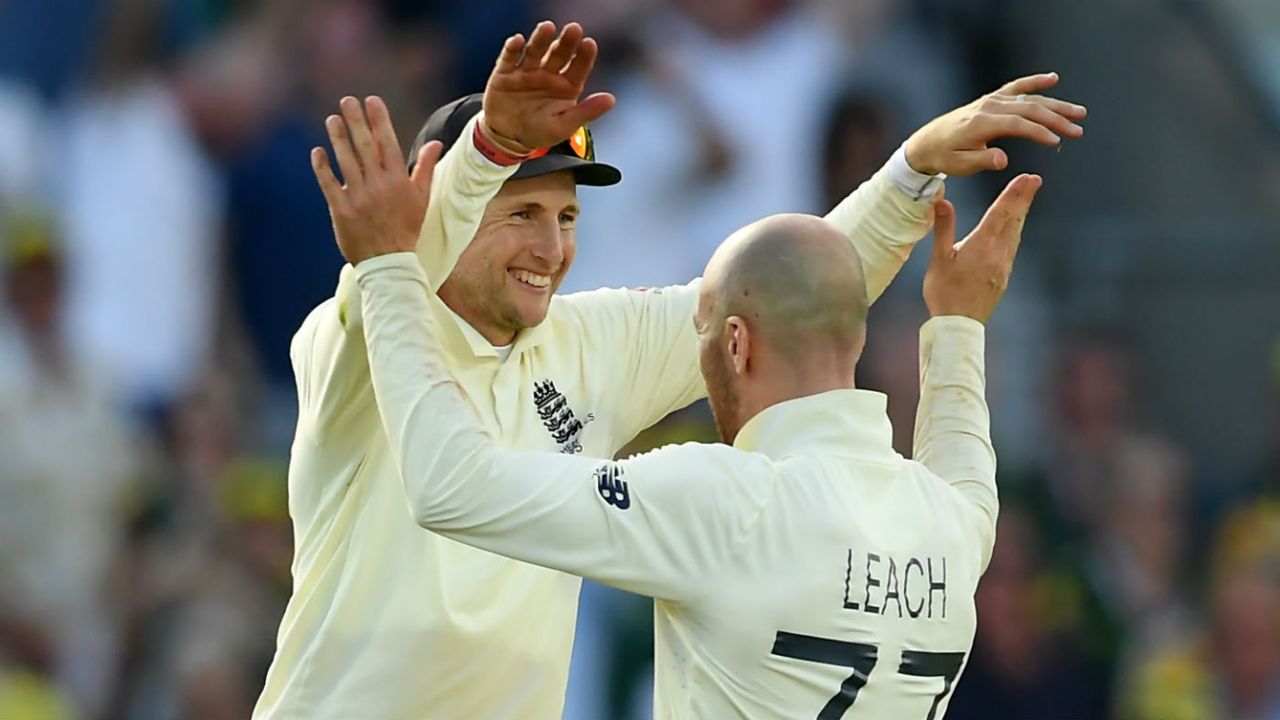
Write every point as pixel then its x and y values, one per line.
pixel 389 622
pixel 808 571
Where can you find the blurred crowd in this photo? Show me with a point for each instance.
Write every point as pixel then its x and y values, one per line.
pixel 161 238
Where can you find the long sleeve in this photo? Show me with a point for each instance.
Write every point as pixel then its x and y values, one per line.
pixel 885 217
pixel 953 425
pixel 656 524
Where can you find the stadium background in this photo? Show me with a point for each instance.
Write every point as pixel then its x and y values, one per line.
pixel 162 238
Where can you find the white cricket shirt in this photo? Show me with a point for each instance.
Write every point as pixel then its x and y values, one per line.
pixel 390 622
pixel 807 571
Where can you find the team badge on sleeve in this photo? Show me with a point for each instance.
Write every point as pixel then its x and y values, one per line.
pixel 612 487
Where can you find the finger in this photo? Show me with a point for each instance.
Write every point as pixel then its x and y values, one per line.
pixel 1038 114
pixel 1006 126
pixel 588 111
pixel 509 58
pixel 970 162
pixel 1027 187
pixel 385 135
pixel 539 40
pixel 1029 84
pixel 361 137
pixel 1009 211
pixel 579 68
pixel 563 49
pixel 944 230
pixel 425 168
pixel 329 184
pixel 1062 107
pixel 347 163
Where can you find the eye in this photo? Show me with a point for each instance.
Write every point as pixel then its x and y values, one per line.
pixel 521 215
pixel 567 218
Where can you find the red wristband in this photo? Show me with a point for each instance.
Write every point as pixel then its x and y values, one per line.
pixel 494 153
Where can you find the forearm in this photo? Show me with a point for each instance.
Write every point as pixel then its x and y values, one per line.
pixel 543 508
pixel 953 426
pixel 413 386
pixel 464 183
pixel 885 217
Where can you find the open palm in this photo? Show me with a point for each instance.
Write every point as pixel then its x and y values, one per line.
pixel 532 98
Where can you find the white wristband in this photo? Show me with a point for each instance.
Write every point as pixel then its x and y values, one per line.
pixel 917 185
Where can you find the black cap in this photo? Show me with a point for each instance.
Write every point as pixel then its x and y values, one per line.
pixel 447 123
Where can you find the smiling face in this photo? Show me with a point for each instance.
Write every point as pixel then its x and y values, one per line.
pixel 504 280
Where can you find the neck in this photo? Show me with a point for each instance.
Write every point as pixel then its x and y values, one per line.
pixel 783 380
pixel 496 333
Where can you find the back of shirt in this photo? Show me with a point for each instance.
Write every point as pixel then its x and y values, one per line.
pixel 851 596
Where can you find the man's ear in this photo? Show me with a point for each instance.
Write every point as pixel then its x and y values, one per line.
pixel 739 343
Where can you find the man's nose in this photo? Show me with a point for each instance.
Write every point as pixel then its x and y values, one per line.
pixel 548 246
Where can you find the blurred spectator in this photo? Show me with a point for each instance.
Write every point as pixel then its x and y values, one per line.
pixel 70 469
pixel 861 132
pixel 1137 558
pixel 1232 672
pixel 718 123
pixel 140 209
pixel 1022 666
pixel 1095 416
pixel 211 572
pixel 281 257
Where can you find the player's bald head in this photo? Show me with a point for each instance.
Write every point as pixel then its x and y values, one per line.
pixel 795 279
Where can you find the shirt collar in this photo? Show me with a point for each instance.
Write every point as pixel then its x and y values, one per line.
pixel 853 420
pixel 463 340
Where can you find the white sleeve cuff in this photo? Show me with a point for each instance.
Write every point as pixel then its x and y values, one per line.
pixel 917 185
pixel 953 338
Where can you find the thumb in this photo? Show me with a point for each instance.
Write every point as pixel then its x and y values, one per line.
pixel 425 167
pixel 970 162
pixel 944 230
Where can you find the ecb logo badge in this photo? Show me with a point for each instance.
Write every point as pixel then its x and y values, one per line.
pixel 612 488
pixel 559 419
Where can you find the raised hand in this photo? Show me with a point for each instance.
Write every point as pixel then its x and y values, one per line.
pixel 969 277
pixel 380 207
pixel 957 143
pixel 531 100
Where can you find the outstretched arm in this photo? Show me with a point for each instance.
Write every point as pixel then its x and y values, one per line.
pixel 644 525
pixel 964 284
pixel 888 214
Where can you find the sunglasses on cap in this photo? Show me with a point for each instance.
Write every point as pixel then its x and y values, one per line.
pixel 580 144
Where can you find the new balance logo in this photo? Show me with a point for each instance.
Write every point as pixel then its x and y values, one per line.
pixel 556 415
pixel 612 487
